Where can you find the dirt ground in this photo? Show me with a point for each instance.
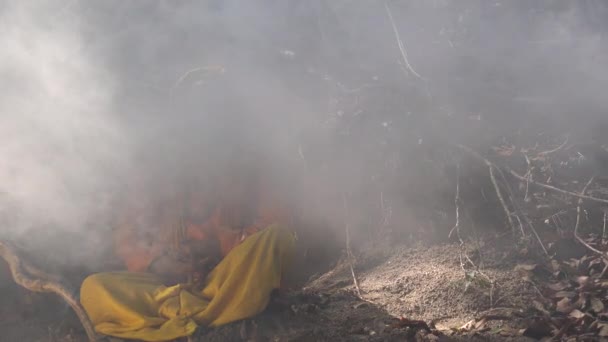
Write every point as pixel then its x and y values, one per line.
pixel 425 283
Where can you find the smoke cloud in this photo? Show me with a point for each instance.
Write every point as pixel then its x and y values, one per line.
pixel 100 99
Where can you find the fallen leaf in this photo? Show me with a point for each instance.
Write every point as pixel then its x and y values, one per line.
pixel 507 332
pixel 557 286
pixel 497 330
pixel 564 306
pixel 565 294
pixel 540 307
pixel 596 305
pixel 576 314
pixel 582 281
pixel 468 325
pixel 603 332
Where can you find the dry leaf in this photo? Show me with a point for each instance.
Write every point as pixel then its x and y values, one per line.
pixel 564 306
pixel 582 281
pixel 557 286
pixel 596 305
pixel 577 314
pixel 468 325
pixel 565 294
pixel 540 307
pixel 603 332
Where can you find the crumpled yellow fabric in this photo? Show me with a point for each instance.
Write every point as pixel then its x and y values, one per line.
pixel 138 306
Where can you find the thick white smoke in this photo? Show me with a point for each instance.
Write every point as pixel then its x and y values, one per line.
pixel 60 148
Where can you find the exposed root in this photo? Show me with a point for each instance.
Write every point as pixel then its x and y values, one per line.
pixel 36 280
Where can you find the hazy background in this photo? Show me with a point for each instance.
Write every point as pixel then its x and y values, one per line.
pixel 99 98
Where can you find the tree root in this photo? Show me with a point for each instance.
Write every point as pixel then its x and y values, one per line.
pixel 36 280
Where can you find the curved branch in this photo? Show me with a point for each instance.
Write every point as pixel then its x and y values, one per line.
pixel 552 188
pixel 22 273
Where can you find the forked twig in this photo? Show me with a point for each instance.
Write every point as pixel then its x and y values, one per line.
pixel 22 273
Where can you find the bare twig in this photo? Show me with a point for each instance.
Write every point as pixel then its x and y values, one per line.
pixel 400 43
pixel 552 188
pixel 528 176
pixel 205 69
pixel 461 251
pixel 457 205
pixel 544 153
pixel 604 270
pixel 578 221
pixel 492 166
pixel 564 328
pixel 456 227
pixel 43 283
pixel 349 252
pixel 604 226
pixel 518 209
pixel 500 197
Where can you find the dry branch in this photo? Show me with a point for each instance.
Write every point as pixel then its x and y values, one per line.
pixel 501 198
pixel 36 280
pixel 400 43
pixel 517 208
pixel 578 221
pixel 491 167
pixel 552 188
pixel 544 153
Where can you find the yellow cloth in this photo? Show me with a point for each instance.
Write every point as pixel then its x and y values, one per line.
pixel 138 306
